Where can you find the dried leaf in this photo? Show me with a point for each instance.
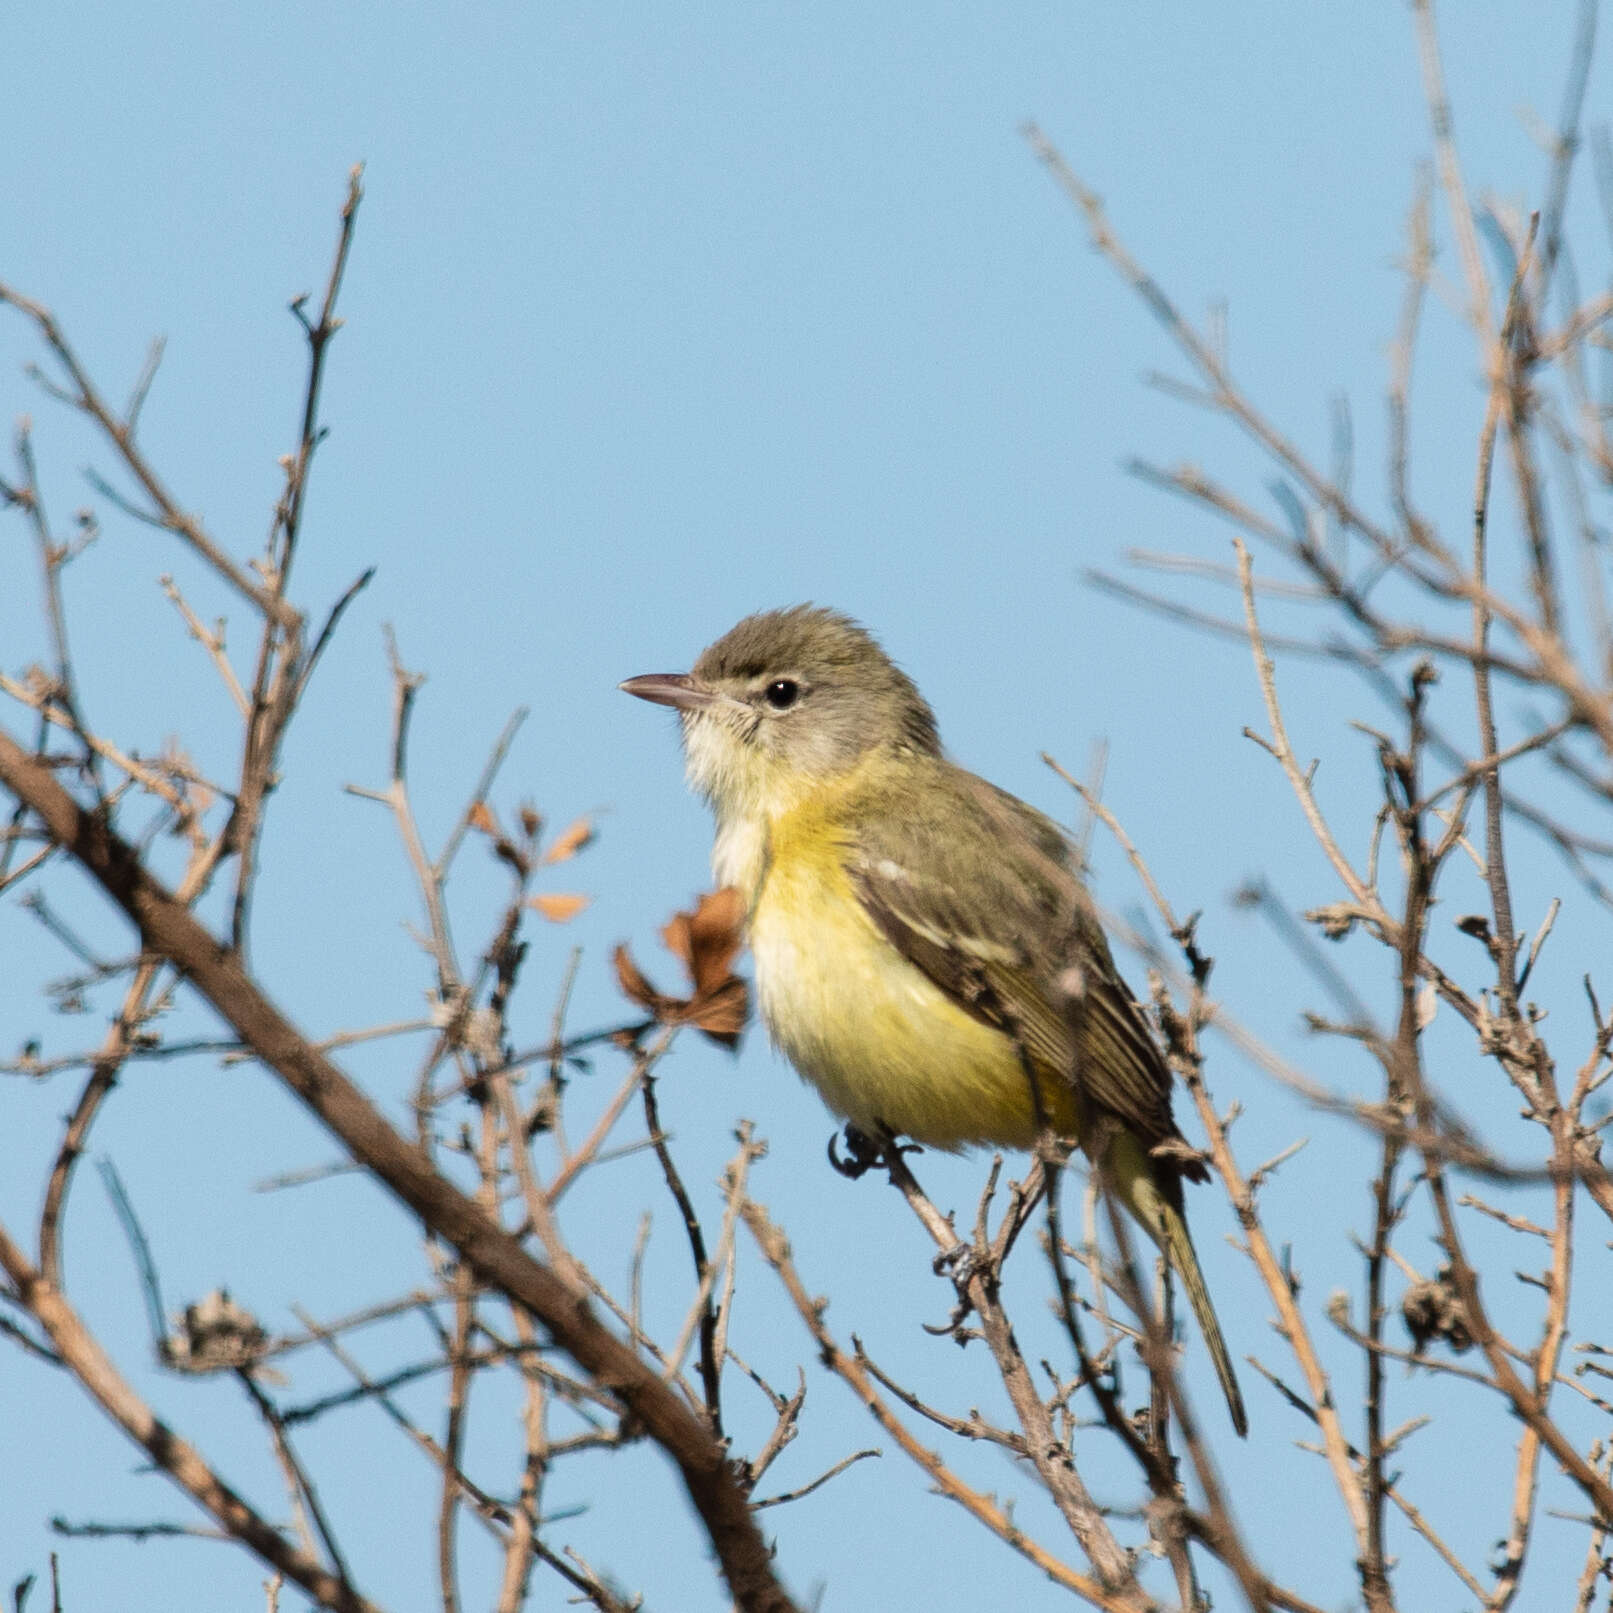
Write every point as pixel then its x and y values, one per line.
pixel 718 930
pixel 1432 1309
pixel 531 820
pixel 633 983
pixel 706 940
pixel 722 1013
pixel 675 938
pixel 557 906
pixel 481 818
pixel 570 841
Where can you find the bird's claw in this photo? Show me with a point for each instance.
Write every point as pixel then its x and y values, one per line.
pixel 862 1154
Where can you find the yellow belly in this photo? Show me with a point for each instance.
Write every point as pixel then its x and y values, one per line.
pixel 880 1042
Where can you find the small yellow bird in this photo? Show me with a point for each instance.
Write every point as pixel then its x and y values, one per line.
pixel 923 943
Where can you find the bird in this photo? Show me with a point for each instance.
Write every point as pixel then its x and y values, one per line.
pixel 926 952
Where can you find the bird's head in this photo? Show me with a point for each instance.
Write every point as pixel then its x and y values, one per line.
pixel 785 702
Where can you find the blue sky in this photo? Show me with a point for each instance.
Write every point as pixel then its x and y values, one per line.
pixel 658 316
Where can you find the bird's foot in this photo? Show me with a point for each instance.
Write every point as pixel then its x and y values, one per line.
pixel 863 1153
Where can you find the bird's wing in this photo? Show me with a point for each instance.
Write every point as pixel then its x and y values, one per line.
pixel 1006 930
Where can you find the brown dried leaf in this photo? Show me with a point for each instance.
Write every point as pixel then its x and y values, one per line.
pixel 675 937
pixel 722 1012
pixel 633 983
pixel 557 906
pixel 570 841
pixel 706 939
pixel 718 932
pixel 531 820
pixel 481 818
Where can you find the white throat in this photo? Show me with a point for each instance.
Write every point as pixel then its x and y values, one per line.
pixel 739 853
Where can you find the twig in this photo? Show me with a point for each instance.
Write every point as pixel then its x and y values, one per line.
pixel 172 932
pixel 1495 864
pixel 172 1454
pixel 84 397
pixel 822 1479
pixel 212 642
pixel 1122 1595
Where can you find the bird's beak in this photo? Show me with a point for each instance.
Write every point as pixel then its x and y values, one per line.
pixel 678 689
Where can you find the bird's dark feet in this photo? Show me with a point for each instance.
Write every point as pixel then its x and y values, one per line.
pixel 863 1153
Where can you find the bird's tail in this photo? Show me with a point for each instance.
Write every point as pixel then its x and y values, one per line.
pixel 1184 1259
pixel 1166 1224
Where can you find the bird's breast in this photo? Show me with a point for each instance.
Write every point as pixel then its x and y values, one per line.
pixel 882 1043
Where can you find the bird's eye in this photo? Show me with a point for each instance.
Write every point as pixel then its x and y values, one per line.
pixel 782 693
